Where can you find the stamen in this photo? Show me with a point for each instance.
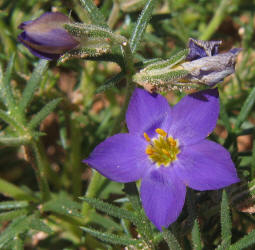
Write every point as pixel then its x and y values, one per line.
pixel 149 150
pixel 166 152
pixel 147 138
pixel 161 132
pixel 162 150
pixel 172 141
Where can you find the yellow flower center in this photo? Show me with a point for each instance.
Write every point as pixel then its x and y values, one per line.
pixel 162 150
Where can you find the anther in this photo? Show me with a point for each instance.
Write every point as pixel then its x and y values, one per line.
pixel 149 151
pixel 161 132
pixel 172 141
pixel 165 152
pixel 147 138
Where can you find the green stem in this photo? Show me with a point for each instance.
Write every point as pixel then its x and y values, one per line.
pixel 93 187
pixel 113 18
pixel 216 20
pixel 97 179
pixel 75 158
pixel 40 170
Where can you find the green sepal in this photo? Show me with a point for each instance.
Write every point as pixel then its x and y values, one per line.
pixel 164 75
pixel 90 31
pixel 169 63
pixel 86 53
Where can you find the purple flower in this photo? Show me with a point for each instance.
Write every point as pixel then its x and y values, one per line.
pixel 167 149
pixel 46 37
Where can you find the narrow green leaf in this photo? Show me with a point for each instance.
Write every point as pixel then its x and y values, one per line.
pixel 18 226
pixel 10 190
pixel 246 241
pixel 6 90
pixel 144 228
pixel 224 117
pixel 253 158
pixel 223 246
pixel 94 13
pixel 165 79
pixel 110 83
pixel 63 205
pixel 8 205
pixel 13 141
pixel 10 120
pixel 171 240
pixel 17 244
pixel 246 108
pixel 111 238
pixel 33 84
pixel 110 209
pixel 39 225
pixel 141 25
pixel 225 220
pixel 43 113
pixel 107 222
pixel 196 239
pixel 10 215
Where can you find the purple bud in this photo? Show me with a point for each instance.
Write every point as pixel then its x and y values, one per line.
pixel 46 36
pixel 200 48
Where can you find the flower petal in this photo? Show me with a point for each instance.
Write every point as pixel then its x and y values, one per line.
pixel 146 112
pixel 120 158
pixel 206 166
pixel 199 49
pixel 35 52
pixel 163 196
pixel 195 116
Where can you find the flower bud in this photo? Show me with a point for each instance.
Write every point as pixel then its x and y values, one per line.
pixel 199 66
pixel 211 70
pixel 46 36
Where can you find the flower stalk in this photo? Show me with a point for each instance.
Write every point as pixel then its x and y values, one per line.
pixel 97 179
